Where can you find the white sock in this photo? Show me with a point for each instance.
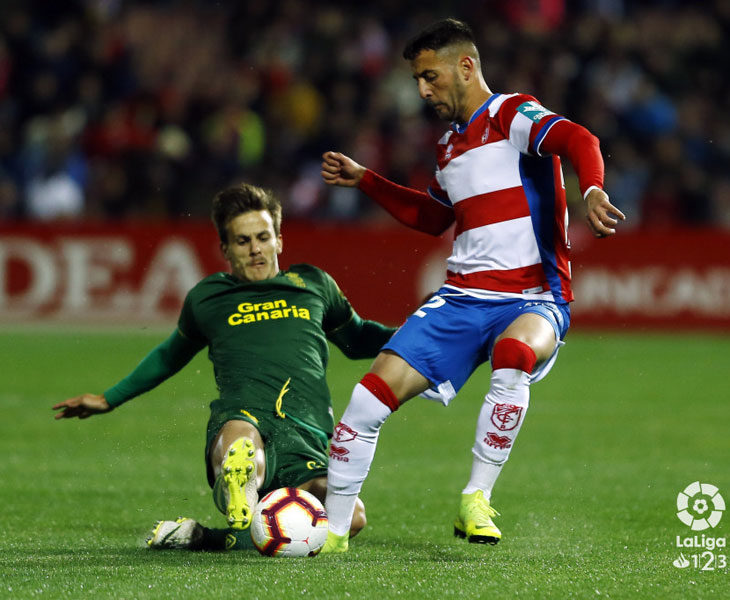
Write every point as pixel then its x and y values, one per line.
pixel 339 512
pixel 499 422
pixel 351 452
pixel 483 477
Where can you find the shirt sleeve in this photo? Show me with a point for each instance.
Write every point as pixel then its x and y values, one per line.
pixel 537 131
pixel 581 148
pixel 359 338
pixel 187 324
pixel 430 212
pixel 161 363
pixel 356 337
pixel 337 307
pixel 525 122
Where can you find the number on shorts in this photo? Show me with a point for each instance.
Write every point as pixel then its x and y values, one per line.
pixel 433 302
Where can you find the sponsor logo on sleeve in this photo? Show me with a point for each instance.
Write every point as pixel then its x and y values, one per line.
pixel 533 111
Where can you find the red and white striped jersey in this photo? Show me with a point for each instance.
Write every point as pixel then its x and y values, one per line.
pixel 508 200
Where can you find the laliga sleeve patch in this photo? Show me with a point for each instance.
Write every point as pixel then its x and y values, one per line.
pixel 533 111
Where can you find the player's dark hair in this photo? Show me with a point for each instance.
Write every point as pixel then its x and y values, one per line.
pixel 239 199
pixel 439 35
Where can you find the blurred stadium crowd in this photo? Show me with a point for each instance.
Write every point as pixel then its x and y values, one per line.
pixel 115 109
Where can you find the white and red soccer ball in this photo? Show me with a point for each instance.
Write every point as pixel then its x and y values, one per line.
pixel 289 522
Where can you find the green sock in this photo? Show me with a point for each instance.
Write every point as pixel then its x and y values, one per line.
pixel 227 539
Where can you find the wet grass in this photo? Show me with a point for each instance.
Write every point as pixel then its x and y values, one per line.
pixel 621 425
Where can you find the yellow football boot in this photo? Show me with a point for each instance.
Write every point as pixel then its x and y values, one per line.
pixel 475 520
pixel 239 476
pixel 335 544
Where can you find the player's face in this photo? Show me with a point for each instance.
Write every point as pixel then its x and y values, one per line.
pixel 253 246
pixel 439 84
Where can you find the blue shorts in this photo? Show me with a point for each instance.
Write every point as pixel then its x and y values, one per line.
pixel 453 333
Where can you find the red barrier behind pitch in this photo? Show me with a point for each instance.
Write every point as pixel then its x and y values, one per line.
pixel 139 273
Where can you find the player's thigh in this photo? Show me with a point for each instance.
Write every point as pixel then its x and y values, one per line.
pixel 230 432
pixel 442 341
pixel 225 425
pixel 317 487
pixel 533 330
pixel 301 455
pixel 401 377
pixel 540 325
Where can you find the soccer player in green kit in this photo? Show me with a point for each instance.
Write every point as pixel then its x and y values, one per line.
pixel 266 331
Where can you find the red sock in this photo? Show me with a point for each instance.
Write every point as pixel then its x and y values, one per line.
pixel 510 353
pixel 381 390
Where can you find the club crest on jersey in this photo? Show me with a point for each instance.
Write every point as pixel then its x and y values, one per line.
pixel 506 416
pixel 296 279
pixel 485 135
pixel 344 434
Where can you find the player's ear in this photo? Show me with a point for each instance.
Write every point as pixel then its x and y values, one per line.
pixel 224 249
pixel 467 67
pixel 279 244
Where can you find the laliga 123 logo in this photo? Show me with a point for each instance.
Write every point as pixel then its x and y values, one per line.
pixel 700 507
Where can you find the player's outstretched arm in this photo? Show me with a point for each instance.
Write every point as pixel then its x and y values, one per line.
pixel 83 407
pixel 602 216
pixel 582 148
pixel 411 207
pixel 338 169
pixel 162 362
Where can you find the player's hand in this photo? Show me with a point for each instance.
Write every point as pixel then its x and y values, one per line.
pixel 338 169
pixel 602 216
pixel 83 407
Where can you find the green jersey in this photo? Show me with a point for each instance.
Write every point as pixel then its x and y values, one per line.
pixel 267 341
pixel 268 344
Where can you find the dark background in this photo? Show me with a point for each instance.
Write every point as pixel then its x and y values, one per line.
pixel 126 109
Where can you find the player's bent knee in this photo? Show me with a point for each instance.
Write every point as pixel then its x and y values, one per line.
pixel 401 378
pixel 533 330
pixel 511 353
pixel 238 428
pixel 380 390
pixel 359 520
pixel 229 433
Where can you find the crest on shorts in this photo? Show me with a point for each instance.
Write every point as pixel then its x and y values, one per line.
pixel 506 416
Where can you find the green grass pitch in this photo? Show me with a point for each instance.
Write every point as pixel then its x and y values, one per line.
pixel 621 425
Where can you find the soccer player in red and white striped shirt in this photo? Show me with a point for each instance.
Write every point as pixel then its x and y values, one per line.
pixel 507 292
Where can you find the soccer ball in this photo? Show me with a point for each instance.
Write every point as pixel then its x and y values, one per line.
pixel 289 522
